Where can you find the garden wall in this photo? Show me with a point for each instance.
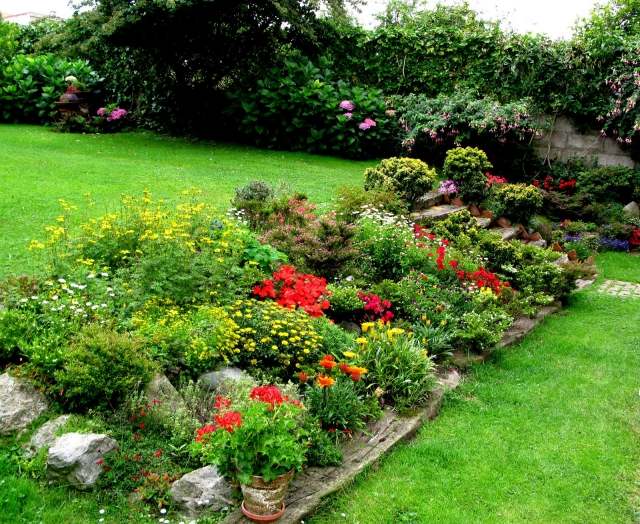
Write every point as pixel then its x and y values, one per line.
pixel 564 141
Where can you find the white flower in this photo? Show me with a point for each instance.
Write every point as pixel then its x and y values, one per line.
pixel 23 300
pixel 91 275
pixel 55 297
pixel 61 280
pixel 163 511
pixel 101 512
pixel 103 274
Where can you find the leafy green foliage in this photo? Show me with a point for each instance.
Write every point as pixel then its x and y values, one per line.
pixel 30 85
pixel 409 178
pixel 609 184
pixel 101 367
pixel 518 202
pixel 467 167
pixel 297 106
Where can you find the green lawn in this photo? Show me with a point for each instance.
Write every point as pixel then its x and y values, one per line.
pixel 38 166
pixel 547 431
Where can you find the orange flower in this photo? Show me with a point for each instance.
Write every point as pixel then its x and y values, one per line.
pixel 328 362
pixel 325 381
pixel 303 377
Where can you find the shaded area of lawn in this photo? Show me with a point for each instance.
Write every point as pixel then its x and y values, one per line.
pixel 545 432
pixel 38 166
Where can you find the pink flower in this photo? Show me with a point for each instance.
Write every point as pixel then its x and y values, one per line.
pixel 348 116
pixel 117 114
pixel 370 122
pixel 101 111
pixel 347 105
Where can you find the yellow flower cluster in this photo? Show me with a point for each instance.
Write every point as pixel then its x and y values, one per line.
pixel 273 336
pixel 378 330
pixel 140 224
pixel 204 337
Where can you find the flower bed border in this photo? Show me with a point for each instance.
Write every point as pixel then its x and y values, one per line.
pixel 314 484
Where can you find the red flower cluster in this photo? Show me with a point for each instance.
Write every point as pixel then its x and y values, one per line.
pixel 441 251
pixel 354 372
pixel 548 184
pixel 422 232
pixel 204 430
pixel 292 289
pixel 228 421
pixel 375 307
pixel 493 179
pixel 268 394
pixel 634 240
pixel 221 402
pixel 483 278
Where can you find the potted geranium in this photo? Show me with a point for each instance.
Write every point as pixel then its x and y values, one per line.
pixel 258 442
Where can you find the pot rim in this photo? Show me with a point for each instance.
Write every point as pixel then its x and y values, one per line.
pixel 263 518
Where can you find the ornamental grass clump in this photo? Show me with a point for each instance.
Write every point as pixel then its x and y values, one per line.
pixel 398 367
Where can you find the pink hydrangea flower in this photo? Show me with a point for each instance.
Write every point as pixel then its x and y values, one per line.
pixel 117 114
pixel 367 124
pixel 101 111
pixel 348 116
pixel 347 105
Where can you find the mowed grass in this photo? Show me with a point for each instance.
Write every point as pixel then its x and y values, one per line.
pixel 38 166
pixel 548 431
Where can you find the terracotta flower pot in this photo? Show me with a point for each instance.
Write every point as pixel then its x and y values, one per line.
pixel 504 222
pixel 264 501
pixel 474 210
pixel 457 201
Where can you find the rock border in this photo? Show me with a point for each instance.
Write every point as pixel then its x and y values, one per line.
pixel 313 484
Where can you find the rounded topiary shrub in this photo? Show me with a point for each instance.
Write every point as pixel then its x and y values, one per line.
pixel 517 202
pixel 409 178
pixel 467 166
pixel 101 367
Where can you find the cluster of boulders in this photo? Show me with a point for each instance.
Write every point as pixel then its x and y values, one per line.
pixel 76 458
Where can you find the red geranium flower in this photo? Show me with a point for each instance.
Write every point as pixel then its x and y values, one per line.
pixel 228 421
pixel 221 402
pixel 269 394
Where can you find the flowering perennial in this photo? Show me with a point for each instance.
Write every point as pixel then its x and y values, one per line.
pixel 483 278
pixel 291 289
pixel 375 307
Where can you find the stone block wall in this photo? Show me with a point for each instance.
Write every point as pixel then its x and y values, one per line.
pixel 564 142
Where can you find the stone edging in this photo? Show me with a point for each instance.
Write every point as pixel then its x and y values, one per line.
pixel 313 484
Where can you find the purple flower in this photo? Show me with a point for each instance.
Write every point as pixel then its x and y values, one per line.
pixel 615 244
pixel 347 105
pixel 572 238
pixel 348 116
pixel 447 187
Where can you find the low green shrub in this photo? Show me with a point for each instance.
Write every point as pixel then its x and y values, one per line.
pixel 609 184
pixel 101 367
pixel 409 178
pixel 517 202
pixel 353 201
pixel 467 166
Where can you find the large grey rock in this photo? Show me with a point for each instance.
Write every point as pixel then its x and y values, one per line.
pixel 632 209
pixel 436 212
pixel 46 434
pixel 216 379
pixel 20 404
pixel 162 390
pixel 77 458
pixel 201 490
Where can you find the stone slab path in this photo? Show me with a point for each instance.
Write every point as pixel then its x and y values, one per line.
pixel 620 289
